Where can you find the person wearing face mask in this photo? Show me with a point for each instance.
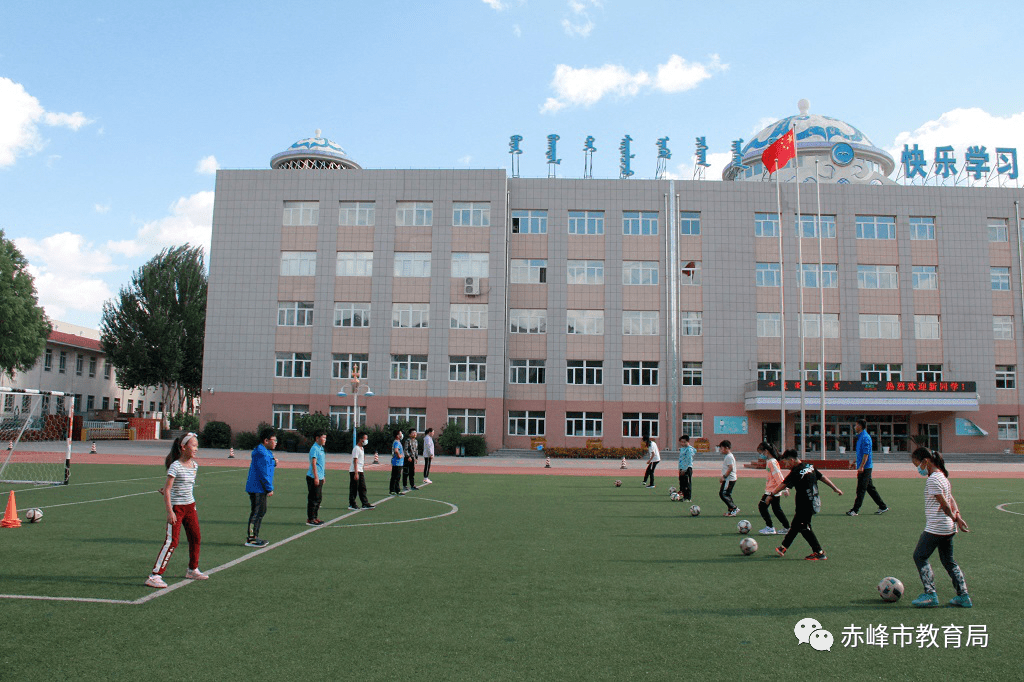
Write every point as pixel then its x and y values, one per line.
pixel 774 473
pixel 356 478
pixel 942 521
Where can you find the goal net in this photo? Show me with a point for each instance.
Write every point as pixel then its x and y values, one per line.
pixel 35 436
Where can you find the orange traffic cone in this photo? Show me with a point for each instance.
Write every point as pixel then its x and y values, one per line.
pixel 11 519
pixel 376 458
pixel 231 453
pixel 547 463
pixel 93 450
pixel 623 466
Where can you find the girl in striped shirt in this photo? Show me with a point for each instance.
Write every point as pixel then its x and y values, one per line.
pixel 181 509
pixel 942 516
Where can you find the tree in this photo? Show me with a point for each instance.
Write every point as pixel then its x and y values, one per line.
pixel 24 326
pixel 153 334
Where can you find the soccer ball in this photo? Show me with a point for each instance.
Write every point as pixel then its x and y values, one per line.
pixel 694 510
pixel 671 490
pixel 743 527
pixel 618 484
pixel 891 589
pixel 674 497
pixel 748 546
pixel 35 515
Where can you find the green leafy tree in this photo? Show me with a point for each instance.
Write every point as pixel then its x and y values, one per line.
pixel 153 333
pixel 24 326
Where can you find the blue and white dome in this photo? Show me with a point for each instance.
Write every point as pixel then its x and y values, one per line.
pixel 314 153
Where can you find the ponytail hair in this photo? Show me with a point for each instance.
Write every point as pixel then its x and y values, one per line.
pixel 933 456
pixel 768 448
pixel 174 454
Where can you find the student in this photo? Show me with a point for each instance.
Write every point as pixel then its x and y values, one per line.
pixel 652 461
pixel 774 474
pixel 728 478
pixel 315 479
pixel 686 453
pixel 803 478
pixel 428 453
pixel 356 476
pixel 397 462
pixel 181 509
pixel 412 453
pixel 942 521
pixel 260 484
pixel 864 467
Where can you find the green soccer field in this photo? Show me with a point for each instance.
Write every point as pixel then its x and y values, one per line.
pixel 493 577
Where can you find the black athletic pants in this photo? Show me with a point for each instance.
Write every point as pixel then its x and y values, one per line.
pixel 762 507
pixel 725 492
pixel 357 487
pixel 258 508
pixel 314 497
pixel 396 479
pixel 409 472
pixel 802 525
pixel 426 466
pixel 686 482
pixel 864 485
pixel 649 473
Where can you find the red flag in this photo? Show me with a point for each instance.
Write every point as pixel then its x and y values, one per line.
pixel 779 152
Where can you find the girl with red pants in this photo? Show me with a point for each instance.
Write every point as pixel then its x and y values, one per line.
pixel 181 509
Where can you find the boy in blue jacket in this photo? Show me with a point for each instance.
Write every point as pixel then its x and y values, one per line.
pixel 260 484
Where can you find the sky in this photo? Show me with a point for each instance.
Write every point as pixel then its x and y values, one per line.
pixel 115 116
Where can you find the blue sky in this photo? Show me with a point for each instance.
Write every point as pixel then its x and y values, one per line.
pixel 115 115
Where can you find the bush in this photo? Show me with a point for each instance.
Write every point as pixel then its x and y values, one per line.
pixel 185 422
pixel 450 438
pixel 596 453
pixel 216 435
pixel 246 440
pixel 290 441
pixel 309 424
pixel 338 441
pixel 476 446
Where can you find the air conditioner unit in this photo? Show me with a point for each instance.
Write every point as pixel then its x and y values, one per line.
pixel 472 286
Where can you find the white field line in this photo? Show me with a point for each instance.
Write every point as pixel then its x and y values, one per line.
pixel 123 480
pixel 1005 504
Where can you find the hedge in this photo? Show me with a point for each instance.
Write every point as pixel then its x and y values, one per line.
pixel 596 453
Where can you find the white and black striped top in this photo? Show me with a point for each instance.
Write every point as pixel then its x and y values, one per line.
pixel 184 480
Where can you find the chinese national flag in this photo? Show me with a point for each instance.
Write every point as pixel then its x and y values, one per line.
pixel 779 152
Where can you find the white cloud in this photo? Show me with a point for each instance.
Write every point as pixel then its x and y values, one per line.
pixel 102 208
pixel 207 165
pixel 718 161
pixel 516 31
pixel 679 75
pixel 67 272
pixel 191 221
pixel 579 23
pixel 20 117
pixel 465 160
pixel 496 5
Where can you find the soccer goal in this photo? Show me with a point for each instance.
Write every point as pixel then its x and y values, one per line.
pixel 35 429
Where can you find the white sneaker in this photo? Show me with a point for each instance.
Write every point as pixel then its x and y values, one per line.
pixel 196 574
pixel 427 480
pixel 155 581
pixel 784 531
pixel 767 530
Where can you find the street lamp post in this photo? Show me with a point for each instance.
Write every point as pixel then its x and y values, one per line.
pixel 354 387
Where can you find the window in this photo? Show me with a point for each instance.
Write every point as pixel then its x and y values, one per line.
pixel 467 368
pixel 1000 279
pixel 528 271
pixel 471 421
pixel 692 425
pixel 285 415
pixel 689 223
pixel 876 227
pixel 1006 376
pixel 468 316
pixel 929 372
pixel 416 415
pixel 812 325
pixel 922 228
pixel 640 323
pixel 879 326
pixel 637 272
pixel 301 213
pixel 117 403
pixel 640 373
pixel 105 403
pixel 584 424
pixel 529 222
pixel 997 230
pixel 351 314
pixel 471 214
pixel 585 322
pixel 342 364
pixel 693 374
pixel 354 264
pixel 470 264
pixel 295 314
pixel 584 372
pixel 832 371
pixel 877 277
pixel 639 222
pixel 925 277
pixel 881 371
pixel 152 406
pixel 769 325
pixel 79 364
pixel 90 403
pixel 769 371
pixel 691 323
pixel 768 275
pixel 526 371
pixel 410 213
pixel 1007 425
pixel 293 365
pixel 827 277
pixel 409 367
pixel 586 222
pixel 48 360
pixel 106 370
pixel 410 315
pixel 926 326
pixel 639 424
pixel 585 272
pixel 352 213
pixel 690 274
pixel 92 366
pixel 808 226
pixel 298 263
pixel 523 321
pixel 526 423
pixel 766 225
pixel 409 264
pixel 342 415
pixel 62 366
pixel 1002 327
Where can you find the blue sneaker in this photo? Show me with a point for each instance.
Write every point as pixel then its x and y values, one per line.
pixel 926 600
pixel 961 600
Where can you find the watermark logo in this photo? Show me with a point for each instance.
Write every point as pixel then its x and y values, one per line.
pixel 924 636
pixel 809 631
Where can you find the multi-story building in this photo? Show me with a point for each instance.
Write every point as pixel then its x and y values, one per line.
pixel 578 308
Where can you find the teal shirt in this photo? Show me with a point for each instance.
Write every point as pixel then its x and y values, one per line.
pixel 686 457
pixel 316 457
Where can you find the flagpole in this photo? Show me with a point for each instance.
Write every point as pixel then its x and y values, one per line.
pixel 782 319
pixel 821 307
pixel 800 282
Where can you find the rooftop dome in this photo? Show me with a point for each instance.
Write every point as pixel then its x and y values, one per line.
pixel 314 153
pixel 845 155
